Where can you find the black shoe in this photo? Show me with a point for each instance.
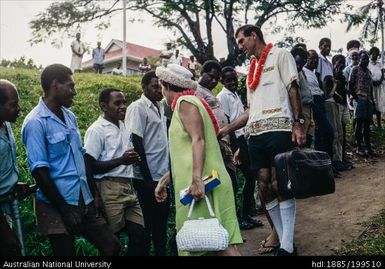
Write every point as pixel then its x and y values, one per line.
pixel 283 252
pixel 256 222
pixel 244 225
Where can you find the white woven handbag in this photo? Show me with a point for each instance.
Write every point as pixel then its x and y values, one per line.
pixel 202 234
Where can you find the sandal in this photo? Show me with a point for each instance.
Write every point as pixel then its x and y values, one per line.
pixel 266 249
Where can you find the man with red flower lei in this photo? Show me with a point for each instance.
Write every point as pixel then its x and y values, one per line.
pixel 273 123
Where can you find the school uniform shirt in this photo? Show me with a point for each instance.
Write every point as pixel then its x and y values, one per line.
pixel 232 106
pixel 145 120
pixel 105 141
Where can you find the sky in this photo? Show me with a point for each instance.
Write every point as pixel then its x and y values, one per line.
pixel 15 33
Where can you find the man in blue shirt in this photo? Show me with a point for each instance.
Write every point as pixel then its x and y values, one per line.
pixel 9 112
pixel 67 202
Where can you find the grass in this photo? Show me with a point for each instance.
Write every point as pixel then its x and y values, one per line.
pixel 371 242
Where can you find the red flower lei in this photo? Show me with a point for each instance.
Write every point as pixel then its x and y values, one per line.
pixel 254 77
pixel 204 103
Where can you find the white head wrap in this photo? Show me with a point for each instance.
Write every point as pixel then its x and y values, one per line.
pixel 176 75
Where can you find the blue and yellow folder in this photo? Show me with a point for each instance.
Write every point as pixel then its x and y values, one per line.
pixel 210 183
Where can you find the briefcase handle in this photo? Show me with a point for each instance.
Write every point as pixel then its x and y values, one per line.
pixel 208 205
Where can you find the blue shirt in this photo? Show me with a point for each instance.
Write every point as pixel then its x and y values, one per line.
pixel 8 167
pixel 57 145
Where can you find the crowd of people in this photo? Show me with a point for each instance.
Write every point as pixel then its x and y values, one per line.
pixel 177 132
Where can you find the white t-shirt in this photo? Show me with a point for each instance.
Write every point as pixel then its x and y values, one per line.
pixel 232 105
pixel 145 120
pixel 312 81
pixel 105 141
pixel 270 100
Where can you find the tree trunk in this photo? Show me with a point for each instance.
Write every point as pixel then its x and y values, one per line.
pixel 380 3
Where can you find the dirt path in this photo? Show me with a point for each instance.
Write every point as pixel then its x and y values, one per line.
pixel 324 223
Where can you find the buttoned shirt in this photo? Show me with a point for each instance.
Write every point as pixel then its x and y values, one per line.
pixel 304 89
pixel 312 82
pixel 232 106
pixel 8 167
pixel 325 68
pixel 98 55
pixel 145 120
pixel 105 141
pixel 270 108
pixel 57 145
pixel 361 79
pixel 215 105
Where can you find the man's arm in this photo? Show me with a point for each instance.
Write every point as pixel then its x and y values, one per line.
pixel 70 216
pixel 235 125
pixel 137 141
pixel 298 135
pixel 101 167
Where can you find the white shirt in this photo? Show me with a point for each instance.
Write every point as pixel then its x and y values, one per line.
pixel 176 60
pixel 232 105
pixel 271 98
pixel 105 141
pixel 375 69
pixel 325 68
pixel 167 54
pixel 312 82
pixel 145 120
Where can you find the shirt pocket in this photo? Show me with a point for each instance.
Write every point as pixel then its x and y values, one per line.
pixel 57 145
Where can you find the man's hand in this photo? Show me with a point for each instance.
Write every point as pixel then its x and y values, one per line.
pixel 99 206
pixel 23 190
pixel 236 159
pixel 161 192
pixel 130 157
pixel 298 136
pixel 71 219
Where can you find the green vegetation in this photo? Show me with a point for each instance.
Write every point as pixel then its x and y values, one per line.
pixel 371 241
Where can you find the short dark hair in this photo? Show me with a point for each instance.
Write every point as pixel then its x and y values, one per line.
pixel 373 50
pixel 211 64
pixel 324 40
pixel 337 57
pixel 300 52
pixel 146 79
pixel 104 95
pixel 247 29
pixel 228 69
pixel 54 71
pixel 300 45
pixel 363 52
pixel 353 44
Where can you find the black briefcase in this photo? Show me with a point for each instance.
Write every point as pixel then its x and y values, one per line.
pixel 303 173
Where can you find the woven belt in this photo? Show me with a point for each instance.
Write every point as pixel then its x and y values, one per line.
pixel 260 126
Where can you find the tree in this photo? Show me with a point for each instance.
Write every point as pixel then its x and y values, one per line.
pixel 191 21
pixel 22 62
pixel 371 16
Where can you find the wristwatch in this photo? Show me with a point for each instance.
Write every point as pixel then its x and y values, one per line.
pixel 300 120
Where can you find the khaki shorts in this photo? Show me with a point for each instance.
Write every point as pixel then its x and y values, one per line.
pixel 309 124
pixel 120 201
pixel 49 220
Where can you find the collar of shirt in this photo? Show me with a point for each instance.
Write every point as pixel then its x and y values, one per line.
pixel 45 112
pixel 148 102
pixel 105 122
pixel 228 92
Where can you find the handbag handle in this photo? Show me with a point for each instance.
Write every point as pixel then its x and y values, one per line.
pixel 208 205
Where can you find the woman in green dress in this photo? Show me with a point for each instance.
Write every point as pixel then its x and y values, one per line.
pixel 194 153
